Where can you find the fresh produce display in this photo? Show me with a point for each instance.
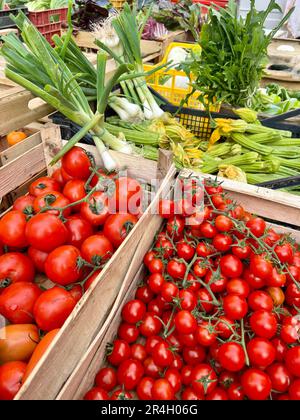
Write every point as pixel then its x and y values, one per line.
pixel 275 99
pixel 216 317
pixel 250 152
pixel 66 228
pixel 234 54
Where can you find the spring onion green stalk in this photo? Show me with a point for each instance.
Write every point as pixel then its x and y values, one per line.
pixel 40 69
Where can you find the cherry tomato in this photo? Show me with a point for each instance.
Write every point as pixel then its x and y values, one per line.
pixel 186 374
pixel 227 378
pixel 162 390
pixel 235 307
pixel 96 394
pixel 144 293
pixel 144 388
pixel 188 394
pixel 261 267
pixel 235 392
pixel 292 360
pixel 129 374
pixel 106 378
pixel 232 356
pixel 204 298
pixel 122 395
pixel 166 208
pixel 52 308
pixel 241 251
pixel 294 390
pixel 290 330
pixel 150 325
pixel 118 352
pixel 218 394
pixel 175 226
pixel 204 250
pixel 133 311
pixel 176 269
pixel 260 300
pixel 185 250
pixel 256 384
pixel 188 300
pixel 285 253
pixel 185 322
pixel 263 324
pixel 261 352
pixel 257 226
pixel 164 247
pixel 223 223
pixel 280 348
pixel 253 281
pixel 216 281
pixel 222 242
pixel 208 230
pixel 151 369
pixel 128 332
pixel 238 287
pixel 206 334
pixel 138 352
pixel 231 266
pixel 156 266
pixel 162 354
pixel 194 355
pixel 280 377
pixel 224 327
pixel 204 379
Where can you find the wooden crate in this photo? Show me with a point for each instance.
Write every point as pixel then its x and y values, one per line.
pixel 79 330
pixel 255 199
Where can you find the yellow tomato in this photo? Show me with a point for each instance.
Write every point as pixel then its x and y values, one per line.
pixel 15 137
pixel 17 342
pixel 277 295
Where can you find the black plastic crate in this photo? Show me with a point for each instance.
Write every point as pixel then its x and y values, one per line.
pixel 5 20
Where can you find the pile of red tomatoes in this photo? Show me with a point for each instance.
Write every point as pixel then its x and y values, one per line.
pixel 217 317
pixel 64 229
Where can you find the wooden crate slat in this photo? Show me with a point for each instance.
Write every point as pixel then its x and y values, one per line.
pixel 13 152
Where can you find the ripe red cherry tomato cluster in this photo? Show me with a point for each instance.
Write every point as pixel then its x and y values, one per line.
pixel 217 315
pixel 66 229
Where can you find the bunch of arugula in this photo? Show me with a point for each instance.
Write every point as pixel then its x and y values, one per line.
pixel 234 54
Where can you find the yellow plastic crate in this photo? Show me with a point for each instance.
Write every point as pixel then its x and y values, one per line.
pixel 199 125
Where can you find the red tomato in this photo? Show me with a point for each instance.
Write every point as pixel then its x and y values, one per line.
pixel 166 208
pixel 292 360
pixel 280 377
pixel 12 229
pixel 222 242
pixel 74 190
pixel 175 226
pixel 52 308
pixel 96 394
pixel 46 232
pixel 138 352
pixel 15 267
pixel 261 267
pixel 164 248
pixel 133 311
pixel 79 230
pixel 280 348
pixel 216 281
pixel 151 369
pixel 43 185
pixel 232 356
pixel 238 287
pixel 241 251
pixel 156 266
pixel 208 230
pixel 128 332
pixel 188 394
pixel 144 293
pixel 106 378
pixel 162 390
pixel 256 384
pixel 185 322
pixel 162 355
pixel 185 250
pixel 235 307
pixel 76 292
pixel 194 355
pixel 257 226
pixel 151 342
pixel 188 300
pixel 186 374
pixel 95 210
pixel 52 199
pixel 150 325
pixel 149 257
pixel 290 329
pixel 204 379
pixel 77 163
pixel 144 388
pixel 200 269
pixel 174 378
pixel 206 334
pixel 227 378
pixel 121 395
pixel 57 176
pixel 66 177
pixel 118 352
pixel 90 280
pixel 204 299
pixel 11 375
pixel 231 266
pixel 223 223
pixel 63 265
pixel 38 258
pixel 285 253
pixel 253 281
pixel 261 352
pixel 218 394
pixel 118 226
pixel 176 269
pixel 260 300
pixel 24 204
pixel 129 374
pixel 204 250
pixel 294 390
pixel 97 249
pixel 224 327
pixel 127 197
pixel 235 392
pixel 292 295
pixel 263 324
pixel 17 302
pixel 184 207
